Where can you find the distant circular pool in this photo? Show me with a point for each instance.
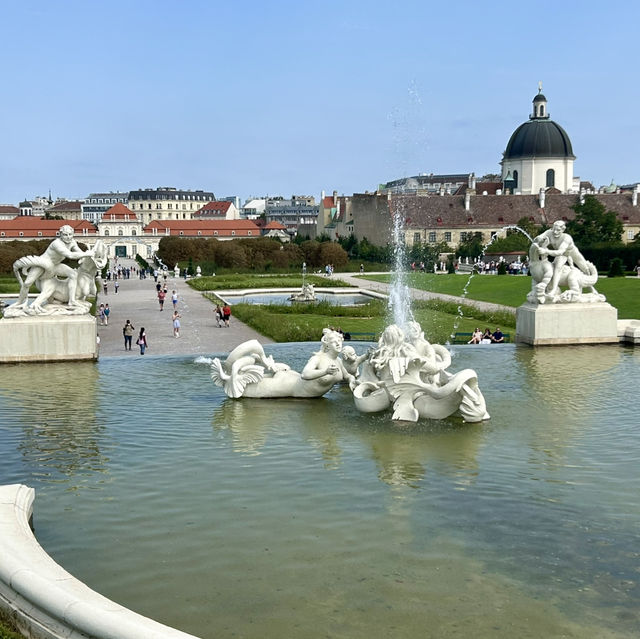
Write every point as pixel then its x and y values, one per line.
pixel 339 299
pixel 303 518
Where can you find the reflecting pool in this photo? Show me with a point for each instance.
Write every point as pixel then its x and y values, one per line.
pixel 305 518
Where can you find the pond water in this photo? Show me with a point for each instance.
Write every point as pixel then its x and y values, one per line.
pixel 339 299
pixel 303 518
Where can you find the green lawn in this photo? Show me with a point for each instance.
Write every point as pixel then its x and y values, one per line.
pixel 621 292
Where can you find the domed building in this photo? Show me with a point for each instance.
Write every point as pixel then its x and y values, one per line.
pixel 539 154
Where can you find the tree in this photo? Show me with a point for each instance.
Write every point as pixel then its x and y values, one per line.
pixel 333 253
pixel 471 246
pixel 593 224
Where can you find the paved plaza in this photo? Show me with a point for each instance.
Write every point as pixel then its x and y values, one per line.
pixel 137 301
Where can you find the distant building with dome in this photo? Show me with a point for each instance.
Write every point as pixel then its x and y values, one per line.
pixel 539 155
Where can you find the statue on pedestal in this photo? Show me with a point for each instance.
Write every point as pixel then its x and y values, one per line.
pixel 569 269
pixel 63 289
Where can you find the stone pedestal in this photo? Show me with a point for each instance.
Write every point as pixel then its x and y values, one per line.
pixel 562 324
pixel 48 338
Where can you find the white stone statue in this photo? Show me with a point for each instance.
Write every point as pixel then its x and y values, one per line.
pixel 409 373
pixel 307 294
pixel 176 271
pixel 406 373
pixel 569 269
pixel 198 271
pixel 63 289
pixel 249 372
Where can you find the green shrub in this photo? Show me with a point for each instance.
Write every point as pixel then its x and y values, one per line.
pixel 616 268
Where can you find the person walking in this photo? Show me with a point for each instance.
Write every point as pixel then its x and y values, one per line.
pixel 174 300
pixel 176 324
pixel 161 295
pixel 107 310
pixel 226 314
pixel 142 341
pixel 127 332
pixel 101 314
pixel 218 313
pixel 116 285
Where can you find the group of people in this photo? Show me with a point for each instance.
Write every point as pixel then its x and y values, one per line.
pixel 127 331
pixel 222 315
pixel 103 314
pixel 478 337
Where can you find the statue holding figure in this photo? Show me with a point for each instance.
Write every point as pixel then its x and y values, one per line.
pixel 63 289
pixel 249 372
pixel 569 269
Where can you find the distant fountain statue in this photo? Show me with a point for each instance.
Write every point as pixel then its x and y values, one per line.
pixel 307 293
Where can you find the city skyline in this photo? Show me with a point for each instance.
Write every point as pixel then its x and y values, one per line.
pixel 286 99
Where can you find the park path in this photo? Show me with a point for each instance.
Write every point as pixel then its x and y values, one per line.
pixel 137 301
pixel 418 294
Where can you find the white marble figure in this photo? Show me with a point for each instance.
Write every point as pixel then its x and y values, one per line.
pixel 249 372
pixel 307 294
pixel 176 271
pixel 198 271
pixel 569 269
pixel 351 360
pixel 63 289
pixel 409 373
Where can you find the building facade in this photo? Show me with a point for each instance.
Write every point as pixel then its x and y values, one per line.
pixel 167 203
pixel 296 212
pixel 96 204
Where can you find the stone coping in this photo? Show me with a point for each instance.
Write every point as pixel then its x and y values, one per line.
pixel 47 602
pixel 340 290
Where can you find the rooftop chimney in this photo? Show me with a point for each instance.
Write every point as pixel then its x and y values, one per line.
pixel 542 197
pixel 467 201
pixel 634 196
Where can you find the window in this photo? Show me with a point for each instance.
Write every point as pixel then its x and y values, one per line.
pixel 233 232
pixel 39 233
pixel 541 110
pixel 169 206
pixel 447 236
pixel 432 236
pixel 199 232
pixel 181 232
pixel 630 235
pixel 463 236
pixel 1 233
pixel 248 232
pixel 215 232
pixel 120 232
pixel 134 232
pixel 515 179
pixel 106 231
pixel 416 238
pixel 551 178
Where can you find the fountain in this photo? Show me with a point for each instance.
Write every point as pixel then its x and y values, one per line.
pixel 306 294
pixel 405 371
pixel 303 514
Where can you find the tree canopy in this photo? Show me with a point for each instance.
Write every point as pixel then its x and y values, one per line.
pixel 593 224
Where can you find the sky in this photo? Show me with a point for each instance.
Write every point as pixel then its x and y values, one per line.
pixel 299 97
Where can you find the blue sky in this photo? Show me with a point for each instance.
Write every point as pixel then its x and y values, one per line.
pixel 281 98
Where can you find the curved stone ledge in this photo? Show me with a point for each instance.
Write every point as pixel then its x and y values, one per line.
pixel 43 599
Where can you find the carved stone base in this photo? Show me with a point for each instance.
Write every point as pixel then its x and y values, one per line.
pixel 48 338
pixel 562 324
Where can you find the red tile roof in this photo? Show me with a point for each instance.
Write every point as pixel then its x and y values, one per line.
pixel 34 227
pixel 213 208
pixel 274 225
pixel 204 228
pixel 8 209
pixel 119 213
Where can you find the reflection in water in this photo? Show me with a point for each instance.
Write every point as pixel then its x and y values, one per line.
pixel 56 406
